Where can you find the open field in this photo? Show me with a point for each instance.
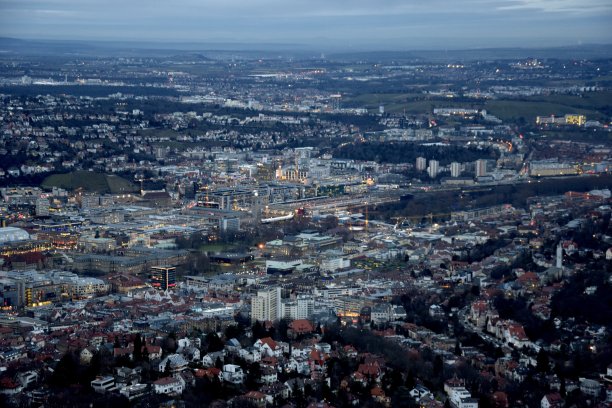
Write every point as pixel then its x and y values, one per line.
pixel 595 105
pixel 90 181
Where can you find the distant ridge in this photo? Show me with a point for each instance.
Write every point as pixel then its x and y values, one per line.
pixel 133 48
pixel 590 51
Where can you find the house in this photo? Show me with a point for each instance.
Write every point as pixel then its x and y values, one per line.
pixel 371 370
pixel 514 333
pixel 233 374
pixel 210 359
pixel 468 402
pixel 267 346
pixel 127 376
pixel 251 354
pixel 500 400
pixel 174 363
pixel 299 365
pixel 268 375
pixel 381 313
pixel 233 345
pixel 188 378
pixel 398 312
pixel 86 355
pixel 478 312
pixel 552 400
pixel 190 353
pixel 27 378
pixel 325 348
pixel 316 361
pixel 154 352
pixel 459 396
pixel 350 351
pixel 209 373
pixel 590 387
pixel 10 387
pixel 132 392
pixel 420 391
pixel 300 327
pixel 429 401
pixel 256 398
pixel 300 350
pixel 275 392
pixel 378 394
pixel 359 378
pixel 168 386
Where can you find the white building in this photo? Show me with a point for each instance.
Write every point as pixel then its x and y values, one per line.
pixel 382 313
pixel 168 385
pixel 333 264
pixel 42 207
pixel 421 163
pixel 233 374
pixel 481 168
pixel 460 397
pixel 103 384
pixel 301 307
pixel 266 305
pixel 434 168
pixel 11 234
pixel 455 169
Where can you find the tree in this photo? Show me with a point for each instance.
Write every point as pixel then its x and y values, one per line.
pixel 169 344
pixel 66 371
pixel 457 348
pixel 137 348
pixel 542 362
pixel 259 331
pixel 214 342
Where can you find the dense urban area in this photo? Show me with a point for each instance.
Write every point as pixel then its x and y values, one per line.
pixel 245 229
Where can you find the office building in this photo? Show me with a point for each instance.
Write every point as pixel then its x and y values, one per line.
pixel 163 277
pixel 42 207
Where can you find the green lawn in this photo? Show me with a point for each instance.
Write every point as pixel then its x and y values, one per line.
pixel 90 181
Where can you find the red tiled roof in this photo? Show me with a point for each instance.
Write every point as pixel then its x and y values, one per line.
pixel 301 326
pixel 256 395
pixel 165 381
pixel 270 342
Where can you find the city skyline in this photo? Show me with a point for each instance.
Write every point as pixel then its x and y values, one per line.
pixel 440 24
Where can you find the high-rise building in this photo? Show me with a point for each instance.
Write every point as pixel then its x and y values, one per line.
pixel 481 168
pixel 559 259
pixel 266 305
pixel 455 169
pixel 301 307
pixel 163 277
pixel 421 163
pixel 433 168
pixel 42 207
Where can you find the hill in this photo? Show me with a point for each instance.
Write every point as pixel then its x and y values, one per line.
pixel 90 181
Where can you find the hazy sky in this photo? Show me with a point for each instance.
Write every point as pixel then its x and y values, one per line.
pixel 358 24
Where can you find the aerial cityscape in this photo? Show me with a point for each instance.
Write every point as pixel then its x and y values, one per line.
pixel 194 215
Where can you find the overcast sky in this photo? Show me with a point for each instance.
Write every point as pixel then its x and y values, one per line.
pixel 358 24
